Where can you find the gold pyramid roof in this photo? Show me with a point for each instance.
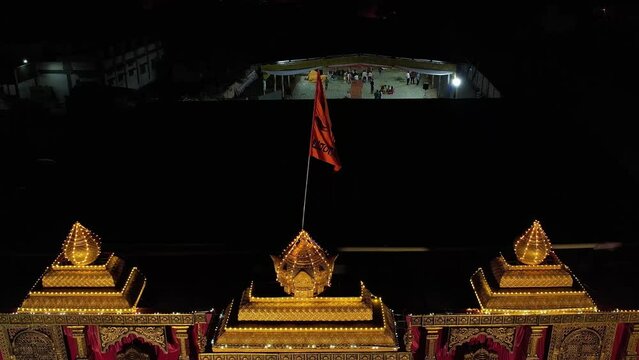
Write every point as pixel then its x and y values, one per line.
pixel 84 279
pixel 304 269
pixel 536 282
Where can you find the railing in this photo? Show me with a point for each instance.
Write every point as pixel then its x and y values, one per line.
pixel 482 86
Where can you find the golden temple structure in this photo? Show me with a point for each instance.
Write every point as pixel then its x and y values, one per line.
pixel 83 279
pixel 536 282
pixel 305 321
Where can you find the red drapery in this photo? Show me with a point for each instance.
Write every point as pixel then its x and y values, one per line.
pixel 520 345
pixel 72 343
pixel 414 346
pixel 95 350
pixel 621 342
pixel 418 345
pixel 194 334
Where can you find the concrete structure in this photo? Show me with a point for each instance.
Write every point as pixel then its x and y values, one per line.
pixel 50 82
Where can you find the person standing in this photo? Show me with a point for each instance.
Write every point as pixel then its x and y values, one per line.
pixel 407 77
pixel 372 86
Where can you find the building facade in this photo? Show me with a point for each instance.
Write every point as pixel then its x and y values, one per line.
pixel 132 66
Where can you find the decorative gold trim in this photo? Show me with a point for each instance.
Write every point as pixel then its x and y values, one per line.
pixel 110 335
pixel 306 309
pixel 503 335
pixel 510 319
pixel 308 356
pixel 536 300
pixel 103 319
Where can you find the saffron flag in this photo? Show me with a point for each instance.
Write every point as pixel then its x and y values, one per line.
pixel 322 139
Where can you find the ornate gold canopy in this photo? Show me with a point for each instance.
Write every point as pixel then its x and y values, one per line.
pixel 304 269
pixel 533 246
pixel 305 322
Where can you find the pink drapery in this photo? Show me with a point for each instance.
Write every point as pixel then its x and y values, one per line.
pixel 72 343
pixel 520 345
pixel 95 351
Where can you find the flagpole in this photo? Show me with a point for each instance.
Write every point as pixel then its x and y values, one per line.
pixel 310 139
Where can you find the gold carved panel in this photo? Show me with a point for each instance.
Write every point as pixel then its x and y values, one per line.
pixel 481 354
pixel 110 335
pixel 33 343
pixel 581 343
pixel 133 354
pixel 503 335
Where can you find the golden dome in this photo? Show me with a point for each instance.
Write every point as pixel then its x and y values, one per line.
pixel 81 247
pixel 304 269
pixel 533 246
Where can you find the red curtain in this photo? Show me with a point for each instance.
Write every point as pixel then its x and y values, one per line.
pixel 72 343
pixel 622 335
pixel 195 332
pixel 95 351
pixel 414 346
pixel 481 341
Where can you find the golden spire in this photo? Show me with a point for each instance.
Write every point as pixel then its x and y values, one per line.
pixel 304 269
pixel 533 246
pixel 81 247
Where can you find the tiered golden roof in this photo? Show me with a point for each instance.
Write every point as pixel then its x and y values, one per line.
pixel 537 282
pixel 304 321
pixel 82 279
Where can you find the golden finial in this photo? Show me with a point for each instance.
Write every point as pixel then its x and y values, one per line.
pixel 81 247
pixel 304 269
pixel 533 246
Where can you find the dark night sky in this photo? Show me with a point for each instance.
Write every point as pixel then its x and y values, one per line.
pixel 225 180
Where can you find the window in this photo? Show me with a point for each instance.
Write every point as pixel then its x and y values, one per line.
pixel 121 78
pixel 131 72
pixel 143 68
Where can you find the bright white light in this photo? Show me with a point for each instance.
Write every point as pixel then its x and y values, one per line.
pixel 25 61
pixel 456 82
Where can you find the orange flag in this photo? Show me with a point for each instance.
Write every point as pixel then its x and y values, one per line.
pixel 322 139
